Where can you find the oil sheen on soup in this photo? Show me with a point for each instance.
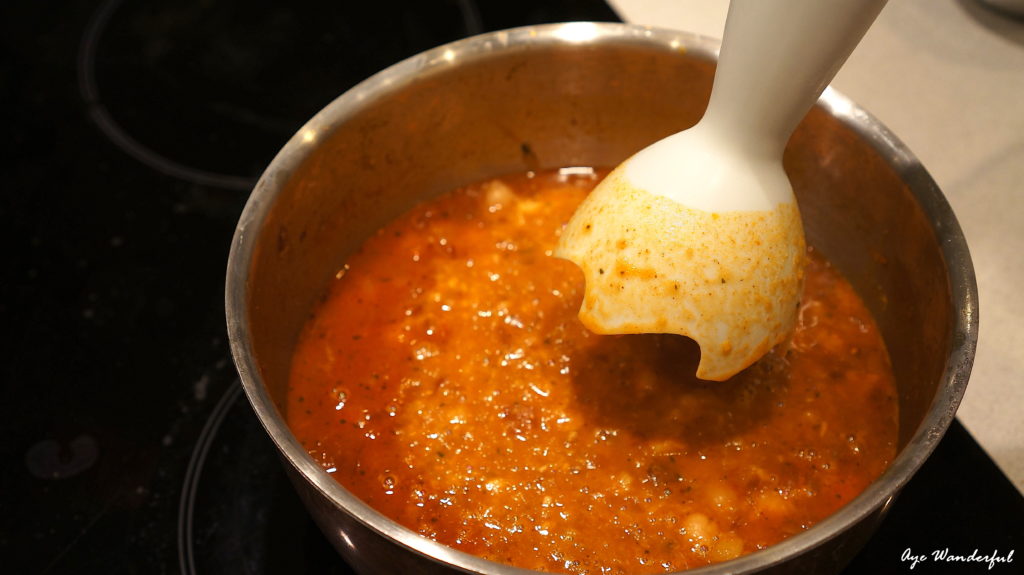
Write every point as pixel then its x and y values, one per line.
pixel 447 382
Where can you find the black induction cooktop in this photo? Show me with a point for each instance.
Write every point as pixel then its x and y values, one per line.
pixel 134 132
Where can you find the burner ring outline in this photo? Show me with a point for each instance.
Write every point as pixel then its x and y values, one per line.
pixel 98 113
pixel 189 488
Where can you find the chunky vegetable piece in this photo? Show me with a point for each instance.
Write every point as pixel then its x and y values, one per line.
pixel 447 381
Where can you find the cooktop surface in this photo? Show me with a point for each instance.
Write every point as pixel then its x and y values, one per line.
pixel 135 131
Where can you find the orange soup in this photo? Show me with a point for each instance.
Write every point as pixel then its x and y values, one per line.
pixel 447 382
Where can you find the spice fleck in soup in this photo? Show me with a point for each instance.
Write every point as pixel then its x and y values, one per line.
pixel 447 382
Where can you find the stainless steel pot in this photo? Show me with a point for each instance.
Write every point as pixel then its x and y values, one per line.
pixel 587 95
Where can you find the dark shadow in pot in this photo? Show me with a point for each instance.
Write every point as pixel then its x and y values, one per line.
pixel 645 385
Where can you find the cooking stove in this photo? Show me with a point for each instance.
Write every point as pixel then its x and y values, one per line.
pixel 135 131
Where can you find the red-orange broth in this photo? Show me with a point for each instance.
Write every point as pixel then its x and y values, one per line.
pixel 447 382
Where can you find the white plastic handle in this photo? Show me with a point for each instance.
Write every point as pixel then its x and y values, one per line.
pixel 777 57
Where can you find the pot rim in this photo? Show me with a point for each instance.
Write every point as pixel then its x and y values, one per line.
pixel 880 494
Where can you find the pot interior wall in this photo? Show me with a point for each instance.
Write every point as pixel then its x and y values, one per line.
pixel 566 105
